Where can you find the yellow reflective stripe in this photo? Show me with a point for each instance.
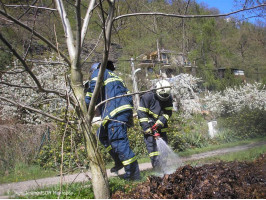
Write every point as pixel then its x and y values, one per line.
pixel 166 116
pixel 143 109
pixel 159 122
pixel 129 161
pixel 155 153
pixel 105 120
pixel 124 107
pixel 154 115
pixel 89 94
pixel 148 130
pixel 109 80
pixel 109 148
pixel 143 119
pixel 164 129
pixel 168 108
pixel 94 79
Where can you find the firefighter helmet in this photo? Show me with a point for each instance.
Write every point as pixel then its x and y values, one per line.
pixel 94 66
pixel 163 93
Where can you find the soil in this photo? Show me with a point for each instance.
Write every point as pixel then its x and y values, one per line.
pixel 223 180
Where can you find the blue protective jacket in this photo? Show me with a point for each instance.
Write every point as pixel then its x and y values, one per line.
pixel 112 86
pixel 151 110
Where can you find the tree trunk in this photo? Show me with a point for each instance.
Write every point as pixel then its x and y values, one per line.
pixel 97 166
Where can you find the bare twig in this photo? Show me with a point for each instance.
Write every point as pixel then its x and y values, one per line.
pixel 93 48
pixel 34 32
pixel 129 94
pixel 188 16
pixel 32 109
pixel 38 7
pixel 63 139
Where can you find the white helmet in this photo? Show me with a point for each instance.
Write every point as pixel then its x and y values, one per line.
pixel 163 93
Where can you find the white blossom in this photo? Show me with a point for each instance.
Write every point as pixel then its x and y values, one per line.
pixel 51 77
pixel 232 100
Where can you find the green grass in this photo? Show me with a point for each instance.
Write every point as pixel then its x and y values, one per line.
pixel 190 152
pixel 80 190
pixel 245 155
pixel 23 172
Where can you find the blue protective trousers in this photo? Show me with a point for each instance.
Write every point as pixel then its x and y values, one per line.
pixel 114 137
pixel 152 149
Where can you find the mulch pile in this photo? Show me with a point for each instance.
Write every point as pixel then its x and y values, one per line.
pixel 238 180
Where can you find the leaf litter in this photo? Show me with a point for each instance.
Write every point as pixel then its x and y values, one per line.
pixel 222 180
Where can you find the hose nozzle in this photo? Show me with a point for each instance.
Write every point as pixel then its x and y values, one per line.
pixel 156 135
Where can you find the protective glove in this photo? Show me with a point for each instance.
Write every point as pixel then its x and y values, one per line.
pixel 154 127
pixel 148 131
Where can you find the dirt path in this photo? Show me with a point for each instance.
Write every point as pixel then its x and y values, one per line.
pixel 23 187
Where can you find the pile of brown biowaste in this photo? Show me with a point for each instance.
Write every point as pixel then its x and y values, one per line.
pixel 237 180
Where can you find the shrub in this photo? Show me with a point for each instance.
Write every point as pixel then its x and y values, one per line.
pixel 248 123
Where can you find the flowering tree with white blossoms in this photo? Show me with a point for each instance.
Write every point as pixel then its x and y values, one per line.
pixel 23 94
pixel 233 100
pixel 184 87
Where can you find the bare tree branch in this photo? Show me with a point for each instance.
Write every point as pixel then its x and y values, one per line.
pixel 67 29
pixel 19 86
pixel 107 37
pixel 44 8
pixel 188 16
pixel 93 48
pixel 22 61
pixel 129 94
pixel 35 79
pixel 32 109
pixel 86 21
pixel 35 33
pixel 27 10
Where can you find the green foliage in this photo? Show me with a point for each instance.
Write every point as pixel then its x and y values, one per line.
pixel 245 124
pixel 189 133
pixel 74 151
pixel 136 140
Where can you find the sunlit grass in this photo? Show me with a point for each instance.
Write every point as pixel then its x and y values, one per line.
pixel 81 190
pixel 219 146
pixel 23 172
pixel 245 155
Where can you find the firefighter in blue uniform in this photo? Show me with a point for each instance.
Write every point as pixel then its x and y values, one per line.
pixel 115 114
pixel 154 111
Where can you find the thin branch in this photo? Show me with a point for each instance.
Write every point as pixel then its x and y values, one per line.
pixel 18 86
pixel 86 21
pixel 32 109
pixel 22 61
pixel 67 29
pixel 44 8
pixel 107 37
pixel 187 16
pixel 27 10
pixel 78 33
pixel 93 48
pixel 35 79
pixel 35 33
pixel 27 51
pixel 129 94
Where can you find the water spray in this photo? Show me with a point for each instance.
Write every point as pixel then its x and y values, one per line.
pixel 168 160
